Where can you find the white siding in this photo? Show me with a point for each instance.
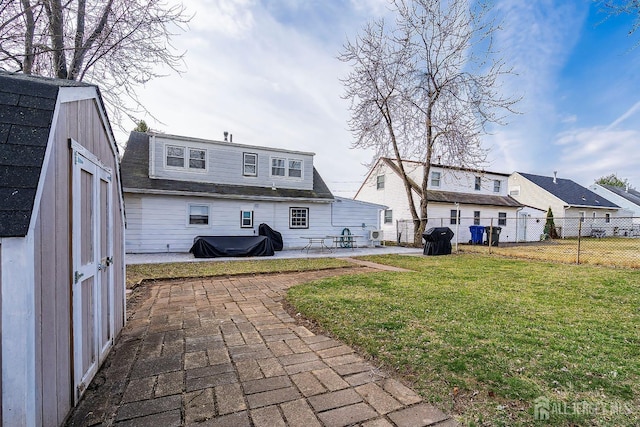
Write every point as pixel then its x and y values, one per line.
pixel 629 208
pixel 224 164
pixel 394 196
pixel 160 223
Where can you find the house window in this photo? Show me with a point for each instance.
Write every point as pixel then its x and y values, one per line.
pixel 502 218
pixel 515 191
pixel 175 156
pixel 594 215
pixel 455 217
pixel 581 213
pixel 295 168
pixel 278 166
pixel 388 216
pixel 607 218
pixel 246 219
pixel 380 182
pixel 197 159
pixel 476 217
pixel 198 215
pixel 250 164
pixel 497 184
pixel 298 217
pixel 435 179
pixel 478 183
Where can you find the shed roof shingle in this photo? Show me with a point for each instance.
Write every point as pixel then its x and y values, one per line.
pixel 26 111
pixel 135 178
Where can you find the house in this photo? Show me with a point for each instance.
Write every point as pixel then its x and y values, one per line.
pixel 625 197
pixel 177 188
pixel 61 245
pixel 458 198
pixel 576 209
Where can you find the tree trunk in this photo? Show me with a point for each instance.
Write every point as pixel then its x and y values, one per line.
pixel 56 28
pixel 27 63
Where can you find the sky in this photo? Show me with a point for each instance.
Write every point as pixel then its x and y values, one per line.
pixel 267 72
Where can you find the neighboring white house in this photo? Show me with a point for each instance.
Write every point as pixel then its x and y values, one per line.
pixel 62 269
pixel 574 206
pixel 177 188
pixel 458 198
pixel 627 198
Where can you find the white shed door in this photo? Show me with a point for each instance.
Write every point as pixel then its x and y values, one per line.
pixel 92 288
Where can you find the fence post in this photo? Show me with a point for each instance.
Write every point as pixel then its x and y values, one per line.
pixel 579 239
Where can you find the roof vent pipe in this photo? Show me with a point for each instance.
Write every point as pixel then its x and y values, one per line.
pixel 226 134
pixel 627 187
pixel 555 177
pixel 230 137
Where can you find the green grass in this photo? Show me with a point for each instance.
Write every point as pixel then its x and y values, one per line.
pixel 611 251
pixel 178 270
pixel 483 337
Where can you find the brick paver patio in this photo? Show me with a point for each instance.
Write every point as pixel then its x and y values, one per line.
pixel 224 352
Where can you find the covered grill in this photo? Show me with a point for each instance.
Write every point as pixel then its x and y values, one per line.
pixel 437 241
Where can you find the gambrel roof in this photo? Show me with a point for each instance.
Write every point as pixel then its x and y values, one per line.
pixel 135 179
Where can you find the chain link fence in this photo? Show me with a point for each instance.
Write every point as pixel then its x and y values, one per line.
pixel 606 240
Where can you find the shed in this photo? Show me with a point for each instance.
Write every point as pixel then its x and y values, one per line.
pixel 62 270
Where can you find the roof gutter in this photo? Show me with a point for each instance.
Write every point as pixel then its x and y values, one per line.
pixel 226 196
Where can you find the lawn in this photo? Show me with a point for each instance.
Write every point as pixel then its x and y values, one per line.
pixel 610 251
pixel 485 337
pixel 179 270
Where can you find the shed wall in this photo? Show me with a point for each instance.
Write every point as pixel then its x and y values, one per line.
pixel 81 121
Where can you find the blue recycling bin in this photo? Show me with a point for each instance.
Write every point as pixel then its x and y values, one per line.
pixel 476 234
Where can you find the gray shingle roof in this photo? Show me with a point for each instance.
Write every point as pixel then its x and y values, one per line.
pixel 571 193
pixel 135 177
pixel 631 195
pixel 26 112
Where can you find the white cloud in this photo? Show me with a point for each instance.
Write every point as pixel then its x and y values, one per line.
pixel 586 154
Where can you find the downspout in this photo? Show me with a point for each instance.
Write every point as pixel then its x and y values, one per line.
pixel 564 219
pixel 457 224
pixel 517 222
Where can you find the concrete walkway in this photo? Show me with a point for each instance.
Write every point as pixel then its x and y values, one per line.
pixel 224 352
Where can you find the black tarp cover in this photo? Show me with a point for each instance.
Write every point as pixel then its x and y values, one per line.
pixel 437 241
pixel 275 236
pixel 231 246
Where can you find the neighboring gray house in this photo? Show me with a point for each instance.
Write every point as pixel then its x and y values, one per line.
pixel 177 188
pixel 574 207
pixel 62 270
pixel 625 197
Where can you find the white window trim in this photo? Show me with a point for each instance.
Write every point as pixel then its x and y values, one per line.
pixel 477 181
pixel 188 222
pixel 242 219
pixel 384 219
pixel 439 180
pixel 186 158
pixel 291 218
pixel 499 185
pixel 286 168
pixel 244 164
pixel 378 187
pixel 502 218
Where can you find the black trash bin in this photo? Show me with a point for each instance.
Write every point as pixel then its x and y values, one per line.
pixel 437 241
pixel 493 235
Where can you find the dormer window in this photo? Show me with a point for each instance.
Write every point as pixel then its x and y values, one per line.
pixel 277 166
pixel 478 183
pixel 295 168
pixel 497 184
pixel 197 159
pixel 435 179
pixel 176 157
pixel 250 164
pixel 291 168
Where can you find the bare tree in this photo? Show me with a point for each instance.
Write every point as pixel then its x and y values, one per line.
pixel 118 44
pixel 623 7
pixel 427 88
